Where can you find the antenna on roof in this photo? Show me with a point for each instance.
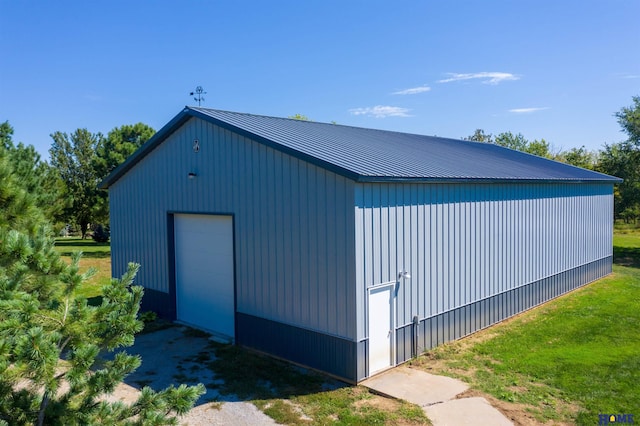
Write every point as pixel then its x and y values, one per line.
pixel 199 91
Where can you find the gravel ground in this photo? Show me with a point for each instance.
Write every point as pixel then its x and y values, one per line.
pixel 231 413
pixel 172 356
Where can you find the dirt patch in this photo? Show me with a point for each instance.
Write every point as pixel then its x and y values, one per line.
pixel 379 402
pixel 437 365
pixel 395 410
pixel 388 405
pixel 298 410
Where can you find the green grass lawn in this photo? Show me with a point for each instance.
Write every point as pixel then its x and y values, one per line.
pixel 96 255
pixel 569 360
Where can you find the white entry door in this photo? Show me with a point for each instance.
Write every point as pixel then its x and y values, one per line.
pixel 204 272
pixel 381 327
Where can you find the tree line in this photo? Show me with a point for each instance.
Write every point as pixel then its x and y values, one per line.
pixel 66 187
pixel 620 159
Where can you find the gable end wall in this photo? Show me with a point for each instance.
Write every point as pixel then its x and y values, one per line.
pixel 293 225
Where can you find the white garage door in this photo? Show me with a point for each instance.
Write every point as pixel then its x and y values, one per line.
pixel 204 272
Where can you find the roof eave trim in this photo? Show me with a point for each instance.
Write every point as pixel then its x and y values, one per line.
pixel 145 149
pixel 188 112
pixel 391 179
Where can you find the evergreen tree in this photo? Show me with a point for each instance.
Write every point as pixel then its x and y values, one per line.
pixel 37 177
pixel 51 371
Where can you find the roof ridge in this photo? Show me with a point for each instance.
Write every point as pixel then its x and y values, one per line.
pixel 203 110
pixel 366 154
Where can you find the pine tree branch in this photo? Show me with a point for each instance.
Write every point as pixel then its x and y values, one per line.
pixel 47 317
pixel 43 407
pixel 63 345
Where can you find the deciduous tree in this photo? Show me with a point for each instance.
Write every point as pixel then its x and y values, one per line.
pixel 112 151
pixel 73 157
pixel 623 160
pixel 629 119
pixel 119 144
pixel 510 140
pixel 300 117
pixel 540 148
pixel 579 157
pixel 480 136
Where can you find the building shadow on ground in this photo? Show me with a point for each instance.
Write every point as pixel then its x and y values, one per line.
pixel 626 256
pixel 181 355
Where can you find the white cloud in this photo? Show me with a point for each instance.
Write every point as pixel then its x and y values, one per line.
pixel 413 90
pixel 486 77
pixel 381 111
pixel 527 110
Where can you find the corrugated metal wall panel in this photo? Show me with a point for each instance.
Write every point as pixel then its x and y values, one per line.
pixel 466 319
pixel 465 242
pixel 294 224
pixel 331 354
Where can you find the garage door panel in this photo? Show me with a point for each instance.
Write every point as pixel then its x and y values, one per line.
pixel 204 272
pixel 209 244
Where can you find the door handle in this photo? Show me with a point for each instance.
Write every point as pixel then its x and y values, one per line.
pixel 389 334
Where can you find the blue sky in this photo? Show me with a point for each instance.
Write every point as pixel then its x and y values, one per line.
pixel 556 70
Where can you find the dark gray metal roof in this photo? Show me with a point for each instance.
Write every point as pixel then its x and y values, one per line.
pixel 378 155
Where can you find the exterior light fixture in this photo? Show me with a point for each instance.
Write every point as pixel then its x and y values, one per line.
pixel 192 175
pixel 404 275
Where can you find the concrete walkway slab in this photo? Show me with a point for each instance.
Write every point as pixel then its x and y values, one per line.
pixel 415 386
pixel 436 395
pixel 466 411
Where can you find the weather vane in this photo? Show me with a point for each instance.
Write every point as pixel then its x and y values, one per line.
pixel 199 92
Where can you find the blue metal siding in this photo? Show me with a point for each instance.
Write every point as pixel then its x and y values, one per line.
pixel 334 355
pixel 463 243
pixel 293 224
pixel 466 319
